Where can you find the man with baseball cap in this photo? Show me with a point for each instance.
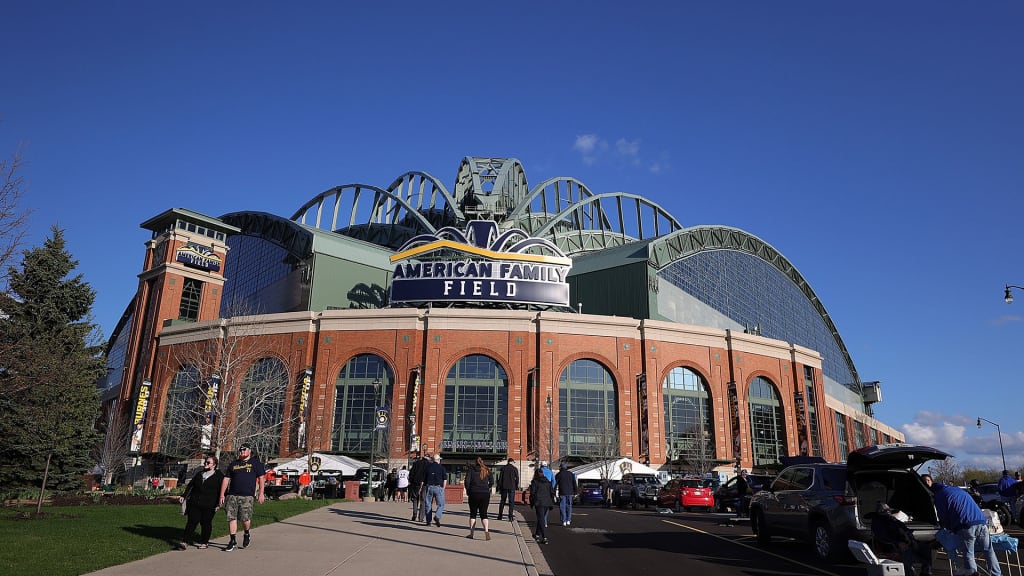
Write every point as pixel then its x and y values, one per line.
pixel 242 485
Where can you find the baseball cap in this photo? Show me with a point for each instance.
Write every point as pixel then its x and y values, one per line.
pixel 543 462
pixel 244 447
pixel 562 465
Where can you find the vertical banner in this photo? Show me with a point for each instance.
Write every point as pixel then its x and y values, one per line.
pixel 734 417
pixel 305 389
pixel 641 384
pixel 801 424
pixel 139 419
pixel 210 411
pixel 414 437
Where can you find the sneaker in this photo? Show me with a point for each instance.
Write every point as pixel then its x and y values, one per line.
pixel 245 540
pixel 569 523
pixel 231 546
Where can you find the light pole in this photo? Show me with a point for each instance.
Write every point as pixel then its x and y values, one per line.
pixel 1009 297
pixel 373 436
pixel 999 433
pixel 548 402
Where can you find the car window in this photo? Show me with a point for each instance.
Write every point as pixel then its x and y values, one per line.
pixel 786 480
pixel 690 483
pixel 803 478
pixel 833 478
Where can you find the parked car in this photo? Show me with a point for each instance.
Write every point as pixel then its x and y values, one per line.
pixel 636 489
pixel 829 504
pixel 589 492
pixel 991 499
pixel 686 494
pixel 725 495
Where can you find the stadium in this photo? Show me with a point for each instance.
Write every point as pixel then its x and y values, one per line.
pixel 494 319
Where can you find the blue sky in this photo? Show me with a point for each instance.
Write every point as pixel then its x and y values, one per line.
pixel 879 146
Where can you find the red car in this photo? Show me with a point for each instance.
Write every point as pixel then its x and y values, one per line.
pixel 685 494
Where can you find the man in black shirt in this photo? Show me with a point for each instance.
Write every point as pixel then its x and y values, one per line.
pixel 243 483
pixel 417 474
pixel 508 485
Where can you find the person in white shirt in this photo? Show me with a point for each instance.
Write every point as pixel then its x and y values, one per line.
pixel 403 484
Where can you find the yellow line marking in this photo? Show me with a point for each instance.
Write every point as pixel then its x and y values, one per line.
pixel 755 548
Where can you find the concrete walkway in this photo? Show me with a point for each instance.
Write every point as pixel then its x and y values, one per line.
pixel 358 538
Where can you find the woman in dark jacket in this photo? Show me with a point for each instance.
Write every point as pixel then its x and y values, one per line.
pixel 478 490
pixel 542 498
pixel 203 497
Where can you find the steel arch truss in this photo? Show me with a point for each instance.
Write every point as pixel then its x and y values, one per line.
pixel 665 251
pixel 368 213
pixel 597 222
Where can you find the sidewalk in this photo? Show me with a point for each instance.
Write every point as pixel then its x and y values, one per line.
pixel 361 538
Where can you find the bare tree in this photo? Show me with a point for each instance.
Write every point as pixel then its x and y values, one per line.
pixel 601 446
pixel 114 449
pixel 693 448
pixel 13 218
pixel 230 389
pixel 946 471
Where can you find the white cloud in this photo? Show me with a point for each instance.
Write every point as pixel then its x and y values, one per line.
pixel 589 146
pixel 626 148
pixel 948 432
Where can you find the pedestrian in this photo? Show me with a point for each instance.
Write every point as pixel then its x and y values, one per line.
pixel 417 476
pixel 155 482
pixel 403 485
pixel 478 490
pixel 547 472
pixel 241 487
pixel 508 485
pixel 201 500
pixel 542 498
pixel 332 486
pixel 305 480
pixel 434 485
pixel 742 499
pixel 960 515
pixel 565 481
pixel 391 485
pixel 1008 489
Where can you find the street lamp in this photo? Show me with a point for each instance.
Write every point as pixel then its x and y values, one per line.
pixel 373 436
pixel 1000 433
pixel 1009 297
pixel 548 402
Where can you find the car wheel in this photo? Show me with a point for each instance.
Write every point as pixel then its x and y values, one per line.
pixel 759 527
pixel 823 540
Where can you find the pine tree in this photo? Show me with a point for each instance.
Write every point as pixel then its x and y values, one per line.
pixel 48 373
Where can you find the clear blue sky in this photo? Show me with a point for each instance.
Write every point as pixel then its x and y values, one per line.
pixel 879 146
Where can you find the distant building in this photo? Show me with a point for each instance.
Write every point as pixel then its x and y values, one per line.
pixel 495 319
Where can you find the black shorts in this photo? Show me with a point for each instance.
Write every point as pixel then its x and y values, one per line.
pixel 478 502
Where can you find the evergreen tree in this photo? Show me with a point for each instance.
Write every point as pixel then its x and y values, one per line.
pixel 52 360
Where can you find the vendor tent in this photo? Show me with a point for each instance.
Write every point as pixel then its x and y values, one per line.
pixel 614 468
pixel 328 463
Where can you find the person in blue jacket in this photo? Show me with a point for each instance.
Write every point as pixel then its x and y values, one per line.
pixel 962 516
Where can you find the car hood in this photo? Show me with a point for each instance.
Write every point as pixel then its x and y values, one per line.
pixel 887 456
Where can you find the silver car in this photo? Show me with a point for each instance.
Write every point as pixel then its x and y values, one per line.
pixel 828 504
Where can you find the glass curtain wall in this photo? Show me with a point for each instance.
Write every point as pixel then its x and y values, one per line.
pixel 767 423
pixel 356 399
pixel 476 408
pixel 588 426
pixel 689 435
pixel 261 407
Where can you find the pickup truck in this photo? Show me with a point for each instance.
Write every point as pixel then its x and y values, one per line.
pixel 636 489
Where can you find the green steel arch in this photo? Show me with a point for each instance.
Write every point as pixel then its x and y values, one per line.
pixel 373 215
pixel 680 244
pixel 589 225
pixel 495 186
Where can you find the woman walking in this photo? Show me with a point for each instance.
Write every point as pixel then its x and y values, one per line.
pixel 542 498
pixel 478 490
pixel 203 498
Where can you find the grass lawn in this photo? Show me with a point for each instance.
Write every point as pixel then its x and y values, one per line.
pixel 79 539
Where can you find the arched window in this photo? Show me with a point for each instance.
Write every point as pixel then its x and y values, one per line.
pixel 364 383
pixel 689 435
pixel 476 407
pixel 180 430
pixel 260 415
pixel 588 426
pixel 767 423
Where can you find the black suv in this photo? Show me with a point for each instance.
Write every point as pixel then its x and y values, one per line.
pixel 725 495
pixel 636 489
pixel 829 504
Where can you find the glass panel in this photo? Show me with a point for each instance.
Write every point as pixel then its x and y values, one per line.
pixel 767 424
pixel 180 425
pixel 356 398
pixel 261 407
pixel 588 426
pixel 476 408
pixel 689 435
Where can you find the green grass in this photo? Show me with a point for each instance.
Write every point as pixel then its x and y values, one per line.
pixel 75 540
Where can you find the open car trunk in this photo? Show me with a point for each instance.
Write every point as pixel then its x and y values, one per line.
pixel 902 490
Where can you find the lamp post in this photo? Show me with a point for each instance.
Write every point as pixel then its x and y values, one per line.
pixel 373 436
pixel 1009 297
pixel 548 403
pixel 1000 434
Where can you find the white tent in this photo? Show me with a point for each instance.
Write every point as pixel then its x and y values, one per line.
pixel 615 468
pixel 328 463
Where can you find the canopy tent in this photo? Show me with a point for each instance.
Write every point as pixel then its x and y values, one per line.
pixel 329 463
pixel 614 468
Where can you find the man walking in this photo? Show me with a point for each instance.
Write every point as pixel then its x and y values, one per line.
pixel 243 483
pixel 567 487
pixel 417 475
pixel 508 486
pixel 435 482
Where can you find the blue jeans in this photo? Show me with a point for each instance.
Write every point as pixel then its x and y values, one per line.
pixel 511 496
pixel 976 537
pixel 565 508
pixel 433 493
